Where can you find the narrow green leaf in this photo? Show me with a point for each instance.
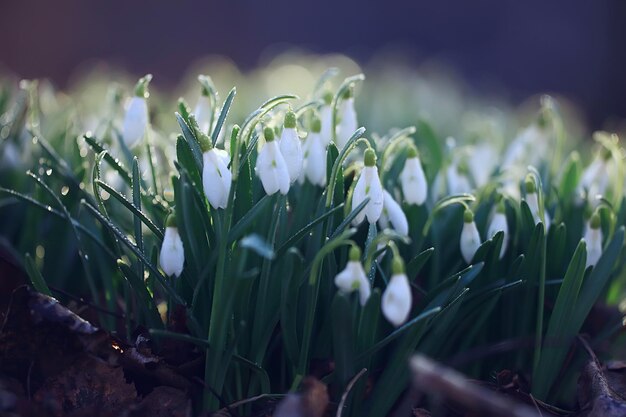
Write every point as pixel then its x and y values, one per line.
pixel 223 114
pixel 39 283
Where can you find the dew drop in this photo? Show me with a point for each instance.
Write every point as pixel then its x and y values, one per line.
pixel 64 190
pixel 49 171
pixel 40 251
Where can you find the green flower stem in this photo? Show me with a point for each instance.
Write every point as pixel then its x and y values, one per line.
pixel 540 302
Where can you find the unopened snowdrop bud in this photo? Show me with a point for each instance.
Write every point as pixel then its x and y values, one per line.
pixel 595 178
pixel 136 118
pixel 172 256
pixel 216 177
pixel 348 124
pixel 314 166
pixel 290 147
pixel 593 239
pixel 368 185
pixel 326 117
pixel 396 300
pixel 203 111
pixel 353 277
pixel 271 166
pixel 412 179
pixel 499 224
pixel 532 200
pixel 470 238
pixel 392 213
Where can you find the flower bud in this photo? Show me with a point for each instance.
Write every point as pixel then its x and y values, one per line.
pixel 593 239
pixel 397 298
pixel 413 180
pixel 271 166
pixel 290 147
pixel 368 185
pixel 470 238
pixel 172 255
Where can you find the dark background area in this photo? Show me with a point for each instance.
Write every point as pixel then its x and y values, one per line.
pixel 575 48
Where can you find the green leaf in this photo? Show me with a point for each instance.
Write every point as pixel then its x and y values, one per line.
pixel 35 276
pixel 223 114
pixel 416 264
pixel 343 338
pixel 241 226
pixel 560 329
pixel 192 141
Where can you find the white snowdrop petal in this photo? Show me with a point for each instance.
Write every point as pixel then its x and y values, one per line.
pixel 499 224
pixel 393 212
pixel 202 112
pixel 413 182
pixel 135 121
pixel 216 179
pixel 396 300
pixel 291 149
pixel 172 255
pixel 470 241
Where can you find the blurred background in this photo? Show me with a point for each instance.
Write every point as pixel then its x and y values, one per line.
pixel 512 49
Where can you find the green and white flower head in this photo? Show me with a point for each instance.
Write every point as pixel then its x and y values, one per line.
pixel 412 178
pixel 532 199
pixel 392 213
pixel 326 117
pixel 216 177
pixel 499 224
pixel 368 185
pixel 348 123
pixel 271 167
pixel 314 165
pixel 397 298
pixel 593 239
pixel 290 147
pixel 136 117
pixel 353 277
pixel 595 178
pixel 470 238
pixel 203 110
pixel 172 256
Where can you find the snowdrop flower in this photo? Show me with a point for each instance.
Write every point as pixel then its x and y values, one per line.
pixel 271 166
pixel 532 200
pixel 368 185
pixel 593 239
pixel 595 178
pixel 499 224
pixel 290 147
pixel 216 177
pixel 172 256
pixel 392 213
pixel 203 111
pixel 457 180
pixel 348 124
pixel 412 179
pixel 470 238
pixel 326 116
pixel 353 277
pixel 396 300
pixel 136 118
pixel 314 166
pixel 528 147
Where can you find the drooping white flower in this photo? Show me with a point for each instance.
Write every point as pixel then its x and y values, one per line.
pixel 482 162
pixel 527 148
pixel 532 200
pixel 271 166
pixel 413 180
pixel 203 111
pixel 326 117
pixel 499 224
pixel 136 117
pixel 216 178
pixel 348 123
pixel 457 181
pixel 314 165
pixel 470 238
pixel 593 239
pixel 392 213
pixel 172 255
pixel 368 185
pixel 353 277
pixel 290 147
pixel 595 178
pixel 396 300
